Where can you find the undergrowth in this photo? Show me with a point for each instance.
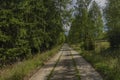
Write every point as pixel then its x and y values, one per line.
pixel 104 59
pixel 22 69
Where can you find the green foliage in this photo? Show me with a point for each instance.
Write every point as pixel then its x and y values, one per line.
pixel 113 22
pixel 28 27
pixel 107 65
pixel 22 69
pixel 87 25
pixel 105 60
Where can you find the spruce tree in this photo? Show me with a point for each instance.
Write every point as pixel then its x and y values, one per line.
pixel 113 22
pixel 87 25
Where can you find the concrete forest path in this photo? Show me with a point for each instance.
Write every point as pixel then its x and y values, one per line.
pixel 67 65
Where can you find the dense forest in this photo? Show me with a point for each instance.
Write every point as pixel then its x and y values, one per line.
pixel 88 26
pixel 95 33
pixel 28 27
pixel 32 31
pixel 113 22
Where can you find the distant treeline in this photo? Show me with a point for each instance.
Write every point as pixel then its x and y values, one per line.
pixel 87 26
pixel 28 27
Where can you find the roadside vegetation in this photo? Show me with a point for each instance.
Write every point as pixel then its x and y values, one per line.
pixel 99 44
pixel 103 59
pixel 26 68
pixel 29 28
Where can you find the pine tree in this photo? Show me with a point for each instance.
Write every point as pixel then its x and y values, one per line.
pixel 87 25
pixel 28 27
pixel 113 22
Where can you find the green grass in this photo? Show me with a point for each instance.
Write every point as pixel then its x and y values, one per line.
pixel 51 73
pixel 20 70
pixel 76 69
pixel 104 60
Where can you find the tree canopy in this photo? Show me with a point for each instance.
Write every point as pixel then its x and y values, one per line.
pixel 28 27
pixel 87 25
pixel 113 22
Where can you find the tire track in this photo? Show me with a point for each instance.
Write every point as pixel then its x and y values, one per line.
pixel 67 65
pixel 65 70
pixel 45 71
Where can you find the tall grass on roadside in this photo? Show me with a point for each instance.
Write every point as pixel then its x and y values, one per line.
pixel 104 60
pixel 20 70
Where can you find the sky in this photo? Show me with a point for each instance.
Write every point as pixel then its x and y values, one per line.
pixel 101 3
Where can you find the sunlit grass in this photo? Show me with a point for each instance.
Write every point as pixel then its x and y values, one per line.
pixel 22 69
pixel 104 59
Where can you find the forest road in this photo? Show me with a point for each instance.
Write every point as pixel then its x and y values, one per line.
pixel 67 64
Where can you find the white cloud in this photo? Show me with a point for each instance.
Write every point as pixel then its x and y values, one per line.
pixel 102 3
